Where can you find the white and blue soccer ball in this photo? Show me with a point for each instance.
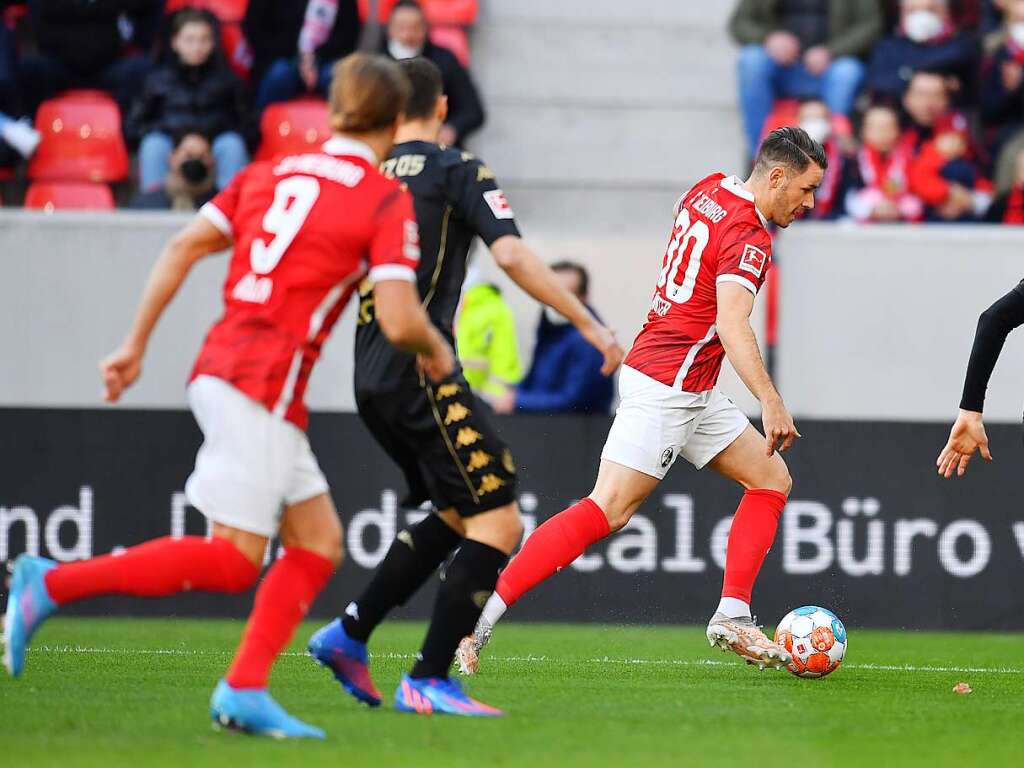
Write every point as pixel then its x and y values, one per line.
pixel 815 637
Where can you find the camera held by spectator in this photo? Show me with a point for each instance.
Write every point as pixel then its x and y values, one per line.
pixel 190 180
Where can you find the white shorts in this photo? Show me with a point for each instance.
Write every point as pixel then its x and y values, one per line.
pixel 251 463
pixel 655 424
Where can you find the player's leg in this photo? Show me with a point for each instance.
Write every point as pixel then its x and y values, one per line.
pixel 311 536
pixel 227 562
pixel 468 581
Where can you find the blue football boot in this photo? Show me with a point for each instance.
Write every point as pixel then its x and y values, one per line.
pixel 255 712
pixel 441 696
pixel 28 606
pixel 348 659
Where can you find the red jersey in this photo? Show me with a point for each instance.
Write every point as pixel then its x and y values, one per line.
pixel 718 236
pixel 306 230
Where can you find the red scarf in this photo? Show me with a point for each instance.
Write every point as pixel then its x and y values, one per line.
pixel 886 173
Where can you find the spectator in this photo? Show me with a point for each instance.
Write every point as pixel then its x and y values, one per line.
pixel 295 44
pixel 188 183
pixel 89 44
pixel 814 117
pixel 566 373
pixel 18 139
pixel 878 186
pixel 407 37
pixel 487 342
pixel 1002 92
pixel 943 168
pixel 194 94
pixel 802 49
pixel 926 39
pixel 1008 207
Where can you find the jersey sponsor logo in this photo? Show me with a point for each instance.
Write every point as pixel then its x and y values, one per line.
pixel 253 290
pixel 499 206
pixel 411 247
pixel 753 260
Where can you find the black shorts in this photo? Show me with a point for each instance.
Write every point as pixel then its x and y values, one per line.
pixel 442 438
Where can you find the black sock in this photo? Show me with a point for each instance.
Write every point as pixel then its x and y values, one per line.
pixel 468 581
pixel 413 556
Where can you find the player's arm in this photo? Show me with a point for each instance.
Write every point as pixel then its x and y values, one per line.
pixel 968 432
pixel 735 303
pixel 198 239
pixel 406 325
pixel 535 277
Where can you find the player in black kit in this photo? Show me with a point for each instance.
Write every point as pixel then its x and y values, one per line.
pixel 968 433
pixel 440 434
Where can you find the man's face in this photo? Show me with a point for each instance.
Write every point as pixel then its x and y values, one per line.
pixel 570 280
pixel 792 193
pixel 926 99
pixel 408 27
pixel 193 43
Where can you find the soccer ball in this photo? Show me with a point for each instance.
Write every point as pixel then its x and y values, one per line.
pixel 816 638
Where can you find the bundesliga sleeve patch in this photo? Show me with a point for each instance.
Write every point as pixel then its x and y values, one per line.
pixel 499 206
pixel 753 260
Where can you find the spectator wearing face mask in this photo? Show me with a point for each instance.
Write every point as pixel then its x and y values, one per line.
pixel 815 118
pixel 877 176
pixel 408 37
pixel 944 171
pixel 1002 91
pixel 295 45
pixel 196 96
pixel 565 376
pixel 926 39
pixel 801 49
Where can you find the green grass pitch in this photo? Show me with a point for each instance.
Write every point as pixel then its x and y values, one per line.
pixel 134 693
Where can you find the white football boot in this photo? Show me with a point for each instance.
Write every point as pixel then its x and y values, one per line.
pixel 744 638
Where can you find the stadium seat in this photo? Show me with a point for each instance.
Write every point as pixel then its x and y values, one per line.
pixel 69 195
pixel 459 13
pixel 229 11
pixel 292 127
pixel 454 39
pixel 81 141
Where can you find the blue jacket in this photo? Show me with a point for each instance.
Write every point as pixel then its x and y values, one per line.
pixel 565 375
pixel 896 57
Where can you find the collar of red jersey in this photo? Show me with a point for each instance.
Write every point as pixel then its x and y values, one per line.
pixel 734 185
pixel 342 145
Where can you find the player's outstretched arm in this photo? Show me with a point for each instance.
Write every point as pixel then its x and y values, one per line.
pixel 199 238
pixel 735 304
pixel 531 274
pixel 406 325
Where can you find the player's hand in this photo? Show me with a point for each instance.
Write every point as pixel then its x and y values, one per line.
pixel 604 341
pixel 439 363
pixel 966 437
pixel 119 370
pixel 779 429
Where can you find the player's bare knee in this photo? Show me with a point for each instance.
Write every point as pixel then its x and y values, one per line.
pixel 779 478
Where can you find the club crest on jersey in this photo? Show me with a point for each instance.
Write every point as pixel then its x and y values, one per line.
pixel 753 260
pixel 499 206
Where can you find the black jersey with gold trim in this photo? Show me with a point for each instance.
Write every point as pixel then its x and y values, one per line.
pixel 457 199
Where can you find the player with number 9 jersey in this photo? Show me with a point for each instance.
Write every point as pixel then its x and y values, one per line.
pixel 718 236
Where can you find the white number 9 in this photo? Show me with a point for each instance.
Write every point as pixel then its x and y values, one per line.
pixel 294 198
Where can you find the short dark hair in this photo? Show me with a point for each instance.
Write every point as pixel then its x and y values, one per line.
pixel 579 269
pixel 412 4
pixel 190 15
pixel 791 147
pixel 427 86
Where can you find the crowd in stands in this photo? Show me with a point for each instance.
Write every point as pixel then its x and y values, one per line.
pixel 919 103
pixel 195 84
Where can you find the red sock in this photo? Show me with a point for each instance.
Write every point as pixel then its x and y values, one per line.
pixel 751 536
pixel 554 545
pixel 284 597
pixel 155 569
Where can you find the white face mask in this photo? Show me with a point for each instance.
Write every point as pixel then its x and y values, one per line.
pixel 922 26
pixel 1016 31
pixel 818 128
pixel 400 51
pixel 555 318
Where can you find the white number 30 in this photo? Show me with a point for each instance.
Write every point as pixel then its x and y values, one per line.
pixel 686 241
pixel 294 198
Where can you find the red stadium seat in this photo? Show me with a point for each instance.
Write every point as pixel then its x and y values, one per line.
pixel 459 13
pixel 81 141
pixel 225 10
pixel 69 195
pixel 292 127
pixel 454 39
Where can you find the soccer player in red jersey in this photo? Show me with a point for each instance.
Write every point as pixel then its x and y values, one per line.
pixel 305 229
pixel 717 259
